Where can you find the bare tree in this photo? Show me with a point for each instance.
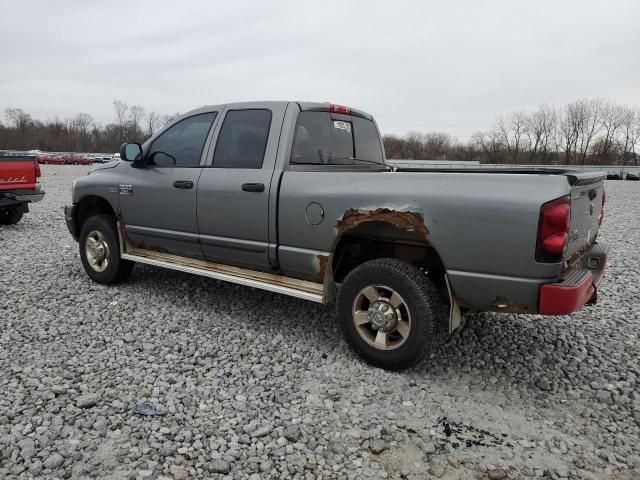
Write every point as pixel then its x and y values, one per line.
pixel 579 126
pixel 490 143
pixel 590 117
pixel 153 123
pixel 19 118
pixel 393 146
pixel 568 131
pixel 121 109
pixel 136 114
pixel 436 145
pixel 612 120
pixel 81 124
pixel 512 131
pixel 540 128
pixel 628 135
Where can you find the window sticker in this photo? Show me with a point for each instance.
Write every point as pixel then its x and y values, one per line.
pixel 342 125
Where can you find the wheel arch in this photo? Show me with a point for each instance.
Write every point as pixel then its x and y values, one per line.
pixel 382 239
pixel 92 205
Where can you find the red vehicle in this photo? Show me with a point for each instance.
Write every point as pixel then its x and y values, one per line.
pixel 50 159
pixel 19 186
pixel 77 160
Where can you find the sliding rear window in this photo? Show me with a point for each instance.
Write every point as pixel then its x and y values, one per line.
pixel 323 138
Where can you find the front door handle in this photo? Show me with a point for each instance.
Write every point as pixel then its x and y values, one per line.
pixel 253 187
pixel 184 184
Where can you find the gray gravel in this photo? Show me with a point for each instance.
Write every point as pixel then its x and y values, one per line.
pixel 175 376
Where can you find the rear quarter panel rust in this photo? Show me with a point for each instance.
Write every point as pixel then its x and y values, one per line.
pixel 403 220
pixel 477 222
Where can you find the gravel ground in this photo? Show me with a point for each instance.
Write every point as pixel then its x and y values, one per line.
pixel 174 376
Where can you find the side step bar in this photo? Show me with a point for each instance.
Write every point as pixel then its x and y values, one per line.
pixel 250 278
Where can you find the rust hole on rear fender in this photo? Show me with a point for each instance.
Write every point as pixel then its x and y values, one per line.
pixel 405 220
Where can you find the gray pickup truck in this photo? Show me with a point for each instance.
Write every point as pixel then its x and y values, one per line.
pixel 296 198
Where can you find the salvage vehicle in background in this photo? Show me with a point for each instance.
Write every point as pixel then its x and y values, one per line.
pixel 19 186
pixel 296 198
pixel 77 160
pixel 50 160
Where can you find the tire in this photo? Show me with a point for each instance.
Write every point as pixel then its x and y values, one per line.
pixel 109 268
pixel 10 216
pixel 414 300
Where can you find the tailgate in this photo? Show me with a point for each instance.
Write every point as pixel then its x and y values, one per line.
pixel 586 205
pixel 17 174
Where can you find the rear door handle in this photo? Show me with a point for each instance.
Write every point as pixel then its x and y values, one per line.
pixel 253 187
pixel 184 184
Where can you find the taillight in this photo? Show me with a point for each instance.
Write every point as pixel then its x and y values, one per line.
pixel 333 108
pixel 38 173
pixel 604 198
pixel 553 230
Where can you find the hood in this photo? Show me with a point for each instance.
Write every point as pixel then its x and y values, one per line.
pixel 104 166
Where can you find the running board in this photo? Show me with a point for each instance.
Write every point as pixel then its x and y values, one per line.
pixel 250 278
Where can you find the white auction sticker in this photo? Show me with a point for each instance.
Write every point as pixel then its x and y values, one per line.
pixel 342 125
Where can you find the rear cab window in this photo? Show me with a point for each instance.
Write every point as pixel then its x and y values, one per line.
pixel 325 138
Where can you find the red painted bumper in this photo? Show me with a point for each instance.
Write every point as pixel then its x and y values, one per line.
pixel 578 288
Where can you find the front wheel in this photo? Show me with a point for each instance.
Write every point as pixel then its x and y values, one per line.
pixel 100 250
pixel 390 312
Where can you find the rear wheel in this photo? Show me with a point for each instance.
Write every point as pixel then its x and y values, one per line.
pixel 10 216
pixel 390 312
pixel 100 250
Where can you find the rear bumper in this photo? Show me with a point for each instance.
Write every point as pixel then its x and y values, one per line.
pixel 70 214
pixel 20 196
pixel 578 287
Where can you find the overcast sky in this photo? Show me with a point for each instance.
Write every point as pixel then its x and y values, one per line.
pixel 416 65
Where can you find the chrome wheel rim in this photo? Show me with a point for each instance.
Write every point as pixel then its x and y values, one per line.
pixel 96 250
pixel 381 317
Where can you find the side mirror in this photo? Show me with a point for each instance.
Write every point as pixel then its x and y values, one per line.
pixel 131 152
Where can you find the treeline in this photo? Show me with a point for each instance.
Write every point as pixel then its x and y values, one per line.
pixel 80 133
pixel 589 131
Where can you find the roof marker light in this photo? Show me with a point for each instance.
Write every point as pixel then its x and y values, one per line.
pixel 333 108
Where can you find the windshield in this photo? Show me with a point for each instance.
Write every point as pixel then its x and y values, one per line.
pixel 321 138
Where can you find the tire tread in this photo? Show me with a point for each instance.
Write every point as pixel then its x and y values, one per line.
pixel 428 297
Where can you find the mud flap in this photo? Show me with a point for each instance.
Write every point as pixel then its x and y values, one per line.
pixel 594 298
pixel 455 317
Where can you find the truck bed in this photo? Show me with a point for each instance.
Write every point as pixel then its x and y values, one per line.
pixel 574 177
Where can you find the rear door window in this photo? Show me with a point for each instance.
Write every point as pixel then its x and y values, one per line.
pixel 243 139
pixel 323 139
